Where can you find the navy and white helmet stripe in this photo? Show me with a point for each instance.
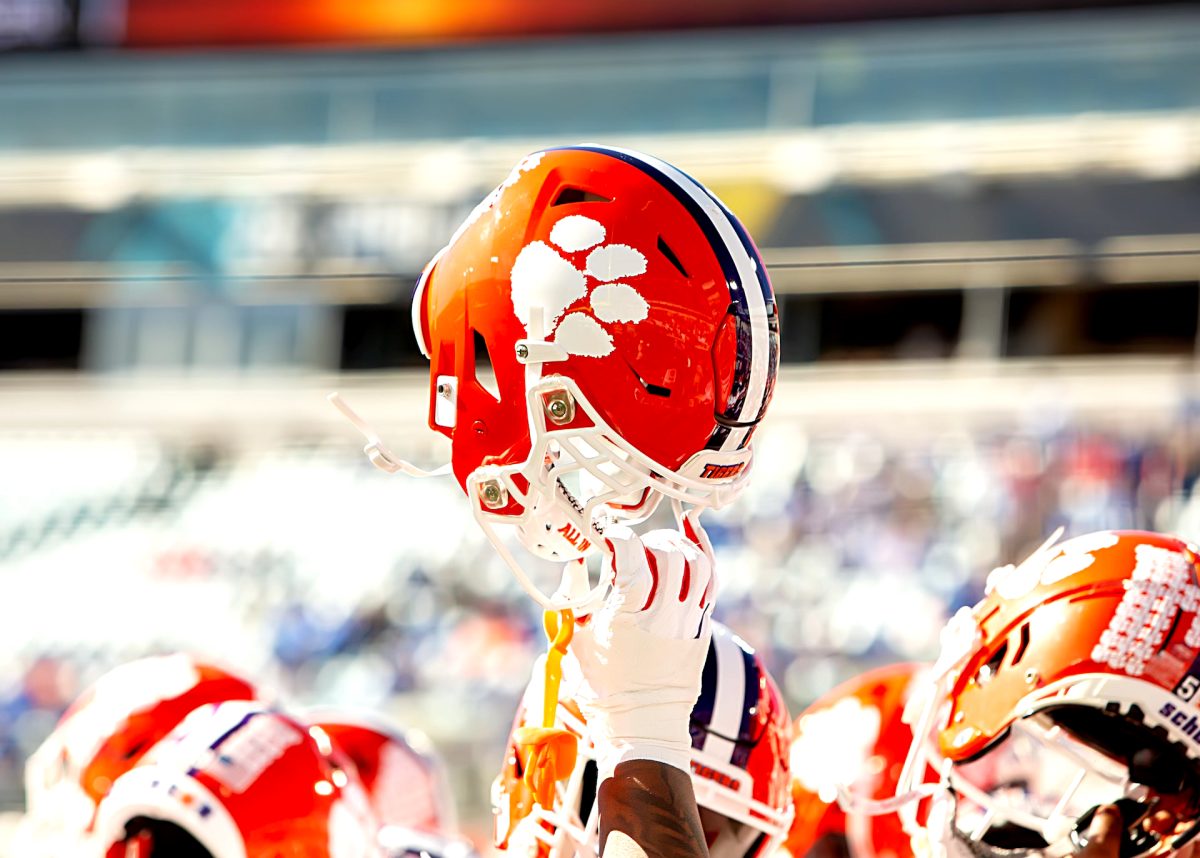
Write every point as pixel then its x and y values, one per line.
pixel 749 288
pixel 722 719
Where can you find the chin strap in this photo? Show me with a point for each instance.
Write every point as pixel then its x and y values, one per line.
pixel 550 751
pixel 380 454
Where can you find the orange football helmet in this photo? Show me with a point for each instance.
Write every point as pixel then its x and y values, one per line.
pixel 402 774
pixel 237 780
pixel 1072 684
pixel 855 737
pixel 740 731
pixel 106 731
pixel 596 296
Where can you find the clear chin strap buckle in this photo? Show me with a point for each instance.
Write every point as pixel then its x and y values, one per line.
pixel 379 453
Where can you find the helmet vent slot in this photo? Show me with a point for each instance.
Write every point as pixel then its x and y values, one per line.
pixel 571 195
pixel 665 250
pixel 1022 645
pixel 484 373
pixel 652 389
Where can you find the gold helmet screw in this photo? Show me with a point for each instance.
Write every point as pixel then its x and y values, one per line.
pixel 493 494
pixel 560 407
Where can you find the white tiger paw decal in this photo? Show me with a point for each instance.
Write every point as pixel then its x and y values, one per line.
pixel 543 277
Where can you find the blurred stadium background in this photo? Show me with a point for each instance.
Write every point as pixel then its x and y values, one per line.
pixel 983 225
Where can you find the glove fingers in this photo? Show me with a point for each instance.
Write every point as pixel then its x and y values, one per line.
pixel 694 531
pixel 634 579
pixel 685 577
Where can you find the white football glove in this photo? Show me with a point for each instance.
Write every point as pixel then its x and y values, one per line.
pixel 639 659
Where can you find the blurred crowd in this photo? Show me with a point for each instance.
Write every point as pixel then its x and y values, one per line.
pixel 331 582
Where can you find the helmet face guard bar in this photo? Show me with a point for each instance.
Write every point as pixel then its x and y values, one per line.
pixel 570 438
pixel 739 805
pixel 1036 779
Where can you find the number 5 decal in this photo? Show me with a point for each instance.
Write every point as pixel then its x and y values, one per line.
pixel 1186 689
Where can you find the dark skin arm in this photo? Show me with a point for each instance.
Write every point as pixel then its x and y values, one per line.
pixel 648 808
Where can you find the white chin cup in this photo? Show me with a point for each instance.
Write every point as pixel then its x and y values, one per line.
pixel 549 533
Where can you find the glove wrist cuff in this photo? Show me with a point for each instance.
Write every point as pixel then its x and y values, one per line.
pixel 621 751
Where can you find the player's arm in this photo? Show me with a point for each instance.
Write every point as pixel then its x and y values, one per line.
pixel 641 658
pixel 648 808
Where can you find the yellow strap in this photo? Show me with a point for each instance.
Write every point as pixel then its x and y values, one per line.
pixel 550 754
pixel 550 751
pixel 560 627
